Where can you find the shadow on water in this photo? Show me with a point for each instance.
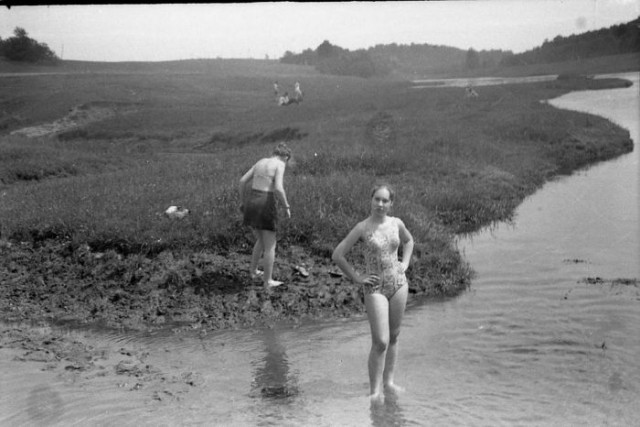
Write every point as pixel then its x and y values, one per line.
pixel 389 414
pixel 44 405
pixel 272 378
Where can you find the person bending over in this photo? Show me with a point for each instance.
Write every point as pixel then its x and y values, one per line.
pixel 259 187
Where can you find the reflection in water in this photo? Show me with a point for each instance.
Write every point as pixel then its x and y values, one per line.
pixel 388 414
pixel 272 379
pixel 479 81
pixel 44 405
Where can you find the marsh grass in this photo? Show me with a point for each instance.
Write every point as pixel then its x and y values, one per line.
pixel 458 164
pixel 23 159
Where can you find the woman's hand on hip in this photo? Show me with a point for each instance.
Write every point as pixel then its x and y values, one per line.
pixel 372 279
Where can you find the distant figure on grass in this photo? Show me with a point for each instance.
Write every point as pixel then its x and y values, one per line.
pixel 470 92
pixel 276 89
pixel 298 93
pixel 385 284
pixel 259 187
pixel 284 99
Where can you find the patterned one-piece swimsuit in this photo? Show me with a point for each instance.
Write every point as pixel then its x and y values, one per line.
pixel 381 259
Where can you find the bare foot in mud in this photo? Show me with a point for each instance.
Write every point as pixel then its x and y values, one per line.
pixel 393 388
pixel 272 284
pixel 377 399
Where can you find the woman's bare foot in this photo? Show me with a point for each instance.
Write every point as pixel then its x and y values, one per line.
pixel 393 388
pixel 273 284
pixel 377 398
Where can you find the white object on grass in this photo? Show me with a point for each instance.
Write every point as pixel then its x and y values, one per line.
pixel 176 212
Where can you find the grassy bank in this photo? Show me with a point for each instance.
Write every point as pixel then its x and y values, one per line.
pixel 80 210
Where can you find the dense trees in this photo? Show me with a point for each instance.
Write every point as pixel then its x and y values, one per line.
pixel 473 59
pixel 331 59
pixel 618 39
pixel 381 60
pixel 22 48
pixel 429 59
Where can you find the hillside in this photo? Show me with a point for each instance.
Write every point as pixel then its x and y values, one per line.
pixel 615 40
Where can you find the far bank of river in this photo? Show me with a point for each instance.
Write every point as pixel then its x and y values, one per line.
pixel 479 81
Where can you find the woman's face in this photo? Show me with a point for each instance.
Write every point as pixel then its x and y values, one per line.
pixel 381 202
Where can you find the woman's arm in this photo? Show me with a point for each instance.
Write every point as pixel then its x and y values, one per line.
pixel 407 244
pixel 343 248
pixel 243 182
pixel 278 185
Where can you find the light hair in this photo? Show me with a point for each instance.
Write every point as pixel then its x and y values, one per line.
pixel 282 150
pixel 389 188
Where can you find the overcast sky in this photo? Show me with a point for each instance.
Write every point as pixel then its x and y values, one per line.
pixel 159 32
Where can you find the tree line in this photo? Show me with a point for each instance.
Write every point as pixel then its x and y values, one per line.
pixel 331 59
pixel 382 60
pixel 615 40
pixel 22 48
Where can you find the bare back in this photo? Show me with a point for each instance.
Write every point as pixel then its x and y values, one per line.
pixel 264 174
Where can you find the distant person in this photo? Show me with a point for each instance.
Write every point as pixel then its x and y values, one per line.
pixel 284 99
pixel 276 89
pixel 470 92
pixel 298 93
pixel 259 187
pixel 384 283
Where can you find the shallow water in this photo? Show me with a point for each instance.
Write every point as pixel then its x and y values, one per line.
pixel 528 345
pixel 479 81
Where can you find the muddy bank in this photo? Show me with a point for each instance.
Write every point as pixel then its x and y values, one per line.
pixel 63 281
pixel 76 358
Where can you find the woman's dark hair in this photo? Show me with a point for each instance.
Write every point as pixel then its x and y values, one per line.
pixel 388 187
pixel 282 150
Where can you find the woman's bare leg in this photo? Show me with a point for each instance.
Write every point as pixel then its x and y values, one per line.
pixel 378 314
pixel 258 248
pixel 269 242
pixel 396 313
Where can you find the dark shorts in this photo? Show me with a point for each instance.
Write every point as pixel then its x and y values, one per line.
pixel 259 210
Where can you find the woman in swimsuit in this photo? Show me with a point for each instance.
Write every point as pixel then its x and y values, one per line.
pixel 259 208
pixel 385 284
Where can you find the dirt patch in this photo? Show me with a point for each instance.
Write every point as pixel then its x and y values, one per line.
pixel 78 117
pixel 76 358
pixel 199 290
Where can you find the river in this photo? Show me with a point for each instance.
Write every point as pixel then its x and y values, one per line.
pixel 532 343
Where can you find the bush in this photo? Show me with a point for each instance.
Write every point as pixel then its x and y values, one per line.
pixel 24 49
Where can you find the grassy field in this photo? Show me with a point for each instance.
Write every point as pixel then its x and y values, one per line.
pixel 81 222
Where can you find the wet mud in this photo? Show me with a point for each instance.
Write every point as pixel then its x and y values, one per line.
pixel 48 289
pixel 201 290
pixel 74 359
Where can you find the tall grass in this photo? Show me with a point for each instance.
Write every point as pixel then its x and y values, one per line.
pixel 458 164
